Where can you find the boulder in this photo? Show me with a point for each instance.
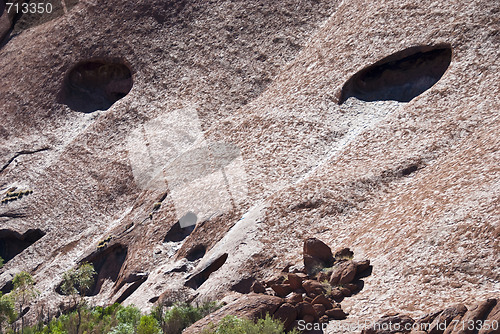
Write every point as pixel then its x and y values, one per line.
pixel 258 287
pixel 295 280
pixel 492 318
pixel 320 309
pixel 475 315
pixel 282 290
pixel 440 323
pixel 313 287
pixel 324 319
pixel 336 314
pixel 308 318
pixel 287 314
pixel 294 298
pixel 321 299
pixel 244 285
pixel 305 308
pixel 362 266
pixel 343 254
pixel 345 292
pixel 337 295
pixel 318 249
pixel 353 287
pixel 343 273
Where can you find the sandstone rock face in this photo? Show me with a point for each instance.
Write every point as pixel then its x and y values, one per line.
pixel 246 128
pixel 480 318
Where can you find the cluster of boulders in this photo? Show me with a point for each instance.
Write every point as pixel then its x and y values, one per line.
pixel 481 318
pixel 313 292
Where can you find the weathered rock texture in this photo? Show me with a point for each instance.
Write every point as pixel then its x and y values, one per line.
pixel 412 186
pixel 479 318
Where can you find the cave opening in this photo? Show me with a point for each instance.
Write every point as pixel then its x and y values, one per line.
pixel 13 243
pixel 96 85
pixel 401 76
pixel 107 264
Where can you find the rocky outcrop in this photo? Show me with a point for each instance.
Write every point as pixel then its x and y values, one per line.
pixel 302 296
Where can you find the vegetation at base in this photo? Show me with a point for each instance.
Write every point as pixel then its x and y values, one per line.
pixel 182 315
pixel 233 325
pixel 76 282
pixel 114 319
pixel 1 262
pixel 24 291
pixel 7 310
pixel 118 319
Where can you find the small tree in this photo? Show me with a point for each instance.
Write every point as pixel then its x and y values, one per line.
pixel 24 291
pixel 7 310
pixel 76 282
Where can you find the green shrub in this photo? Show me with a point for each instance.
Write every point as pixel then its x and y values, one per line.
pixel 123 328
pixel 148 325
pixel 1 262
pixel 129 315
pixel 117 319
pixel 233 325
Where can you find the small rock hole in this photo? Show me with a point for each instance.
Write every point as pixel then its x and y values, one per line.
pixel 8 287
pixel 408 170
pixel 197 280
pixel 196 253
pixel 96 85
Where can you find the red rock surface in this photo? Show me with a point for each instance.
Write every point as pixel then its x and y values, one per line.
pixel 411 186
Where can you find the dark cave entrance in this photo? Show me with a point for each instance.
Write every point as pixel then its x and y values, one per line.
pixel 401 76
pixel 196 253
pixel 107 264
pixel 96 85
pixel 13 243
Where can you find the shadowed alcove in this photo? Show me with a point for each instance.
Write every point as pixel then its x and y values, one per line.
pixel 401 76
pixel 13 243
pixel 107 264
pixel 96 84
